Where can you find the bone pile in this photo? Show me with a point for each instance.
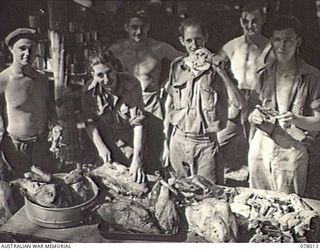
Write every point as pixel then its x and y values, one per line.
pixel 287 219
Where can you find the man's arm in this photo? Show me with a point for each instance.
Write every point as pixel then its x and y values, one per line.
pixel 227 50
pixel 167 130
pixel 311 120
pixel 311 123
pixel 137 159
pixel 101 147
pixel 236 98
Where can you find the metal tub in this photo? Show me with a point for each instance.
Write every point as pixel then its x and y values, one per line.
pixel 60 217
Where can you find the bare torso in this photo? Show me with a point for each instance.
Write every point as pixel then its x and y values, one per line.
pixel 143 60
pixel 26 99
pixel 284 92
pixel 243 56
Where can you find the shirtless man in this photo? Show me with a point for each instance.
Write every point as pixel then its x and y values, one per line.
pixel 25 92
pixel 143 57
pixel 243 52
pixel 289 87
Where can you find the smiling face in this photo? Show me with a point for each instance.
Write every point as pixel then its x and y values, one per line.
pixel 105 74
pixel 285 43
pixel 193 39
pixel 23 51
pixel 251 22
pixel 137 29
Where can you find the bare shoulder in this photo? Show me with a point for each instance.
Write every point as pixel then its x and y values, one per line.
pixel 4 77
pixel 164 50
pixel 118 46
pixel 315 71
pixel 159 45
pixel 232 45
pixel 4 74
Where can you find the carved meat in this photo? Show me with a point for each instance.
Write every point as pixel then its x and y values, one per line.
pixel 118 178
pixel 166 212
pixel 75 176
pixel 198 188
pixel 213 220
pixel 53 195
pixel 128 216
pixel 289 215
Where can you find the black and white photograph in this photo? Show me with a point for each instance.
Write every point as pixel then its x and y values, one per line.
pixel 159 121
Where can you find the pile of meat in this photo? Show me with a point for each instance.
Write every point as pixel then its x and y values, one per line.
pixel 272 219
pixel 157 213
pixel 211 212
pixel 47 190
pixel 207 209
pixel 213 220
pixel 117 177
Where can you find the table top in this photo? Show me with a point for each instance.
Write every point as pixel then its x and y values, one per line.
pixel 87 233
pixel 19 224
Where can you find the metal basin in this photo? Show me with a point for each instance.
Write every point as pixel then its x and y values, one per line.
pixel 60 217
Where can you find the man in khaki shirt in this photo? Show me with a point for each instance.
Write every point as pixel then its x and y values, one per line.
pixel 290 88
pixel 114 113
pixel 197 107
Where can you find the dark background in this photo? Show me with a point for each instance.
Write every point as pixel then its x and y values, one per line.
pixel 220 16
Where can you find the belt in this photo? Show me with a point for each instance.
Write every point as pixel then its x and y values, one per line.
pixel 28 139
pixel 208 137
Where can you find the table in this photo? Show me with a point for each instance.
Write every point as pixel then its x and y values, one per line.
pixel 19 224
pixel 86 233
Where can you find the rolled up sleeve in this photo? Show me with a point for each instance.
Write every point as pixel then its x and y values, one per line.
pixel 314 94
pixel 89 116
pixel 137 116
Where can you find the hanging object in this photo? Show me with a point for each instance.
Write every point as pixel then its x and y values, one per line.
pixel 86 3
pixel 183 11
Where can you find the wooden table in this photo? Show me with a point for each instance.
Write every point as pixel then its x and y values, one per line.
pixel 19 224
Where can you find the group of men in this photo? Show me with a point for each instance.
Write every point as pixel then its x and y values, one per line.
pixel 188 123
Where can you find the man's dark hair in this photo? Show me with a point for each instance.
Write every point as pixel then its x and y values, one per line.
pixel 252 6
pixel 192 22
pixel 103 56
pixel 140 13
pixel 287 22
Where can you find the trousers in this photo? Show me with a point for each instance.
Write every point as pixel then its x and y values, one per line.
pixel 277 168
pixel 22 153
pixel 190 155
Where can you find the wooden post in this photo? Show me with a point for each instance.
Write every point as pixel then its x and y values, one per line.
pixel 69 148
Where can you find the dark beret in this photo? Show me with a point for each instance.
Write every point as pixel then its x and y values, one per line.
pixel 19 33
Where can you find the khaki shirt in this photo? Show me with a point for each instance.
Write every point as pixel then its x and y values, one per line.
pixel 306 88
pixel 200 103
pixel 123 109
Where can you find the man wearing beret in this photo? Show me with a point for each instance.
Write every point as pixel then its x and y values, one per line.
pixel 25 94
